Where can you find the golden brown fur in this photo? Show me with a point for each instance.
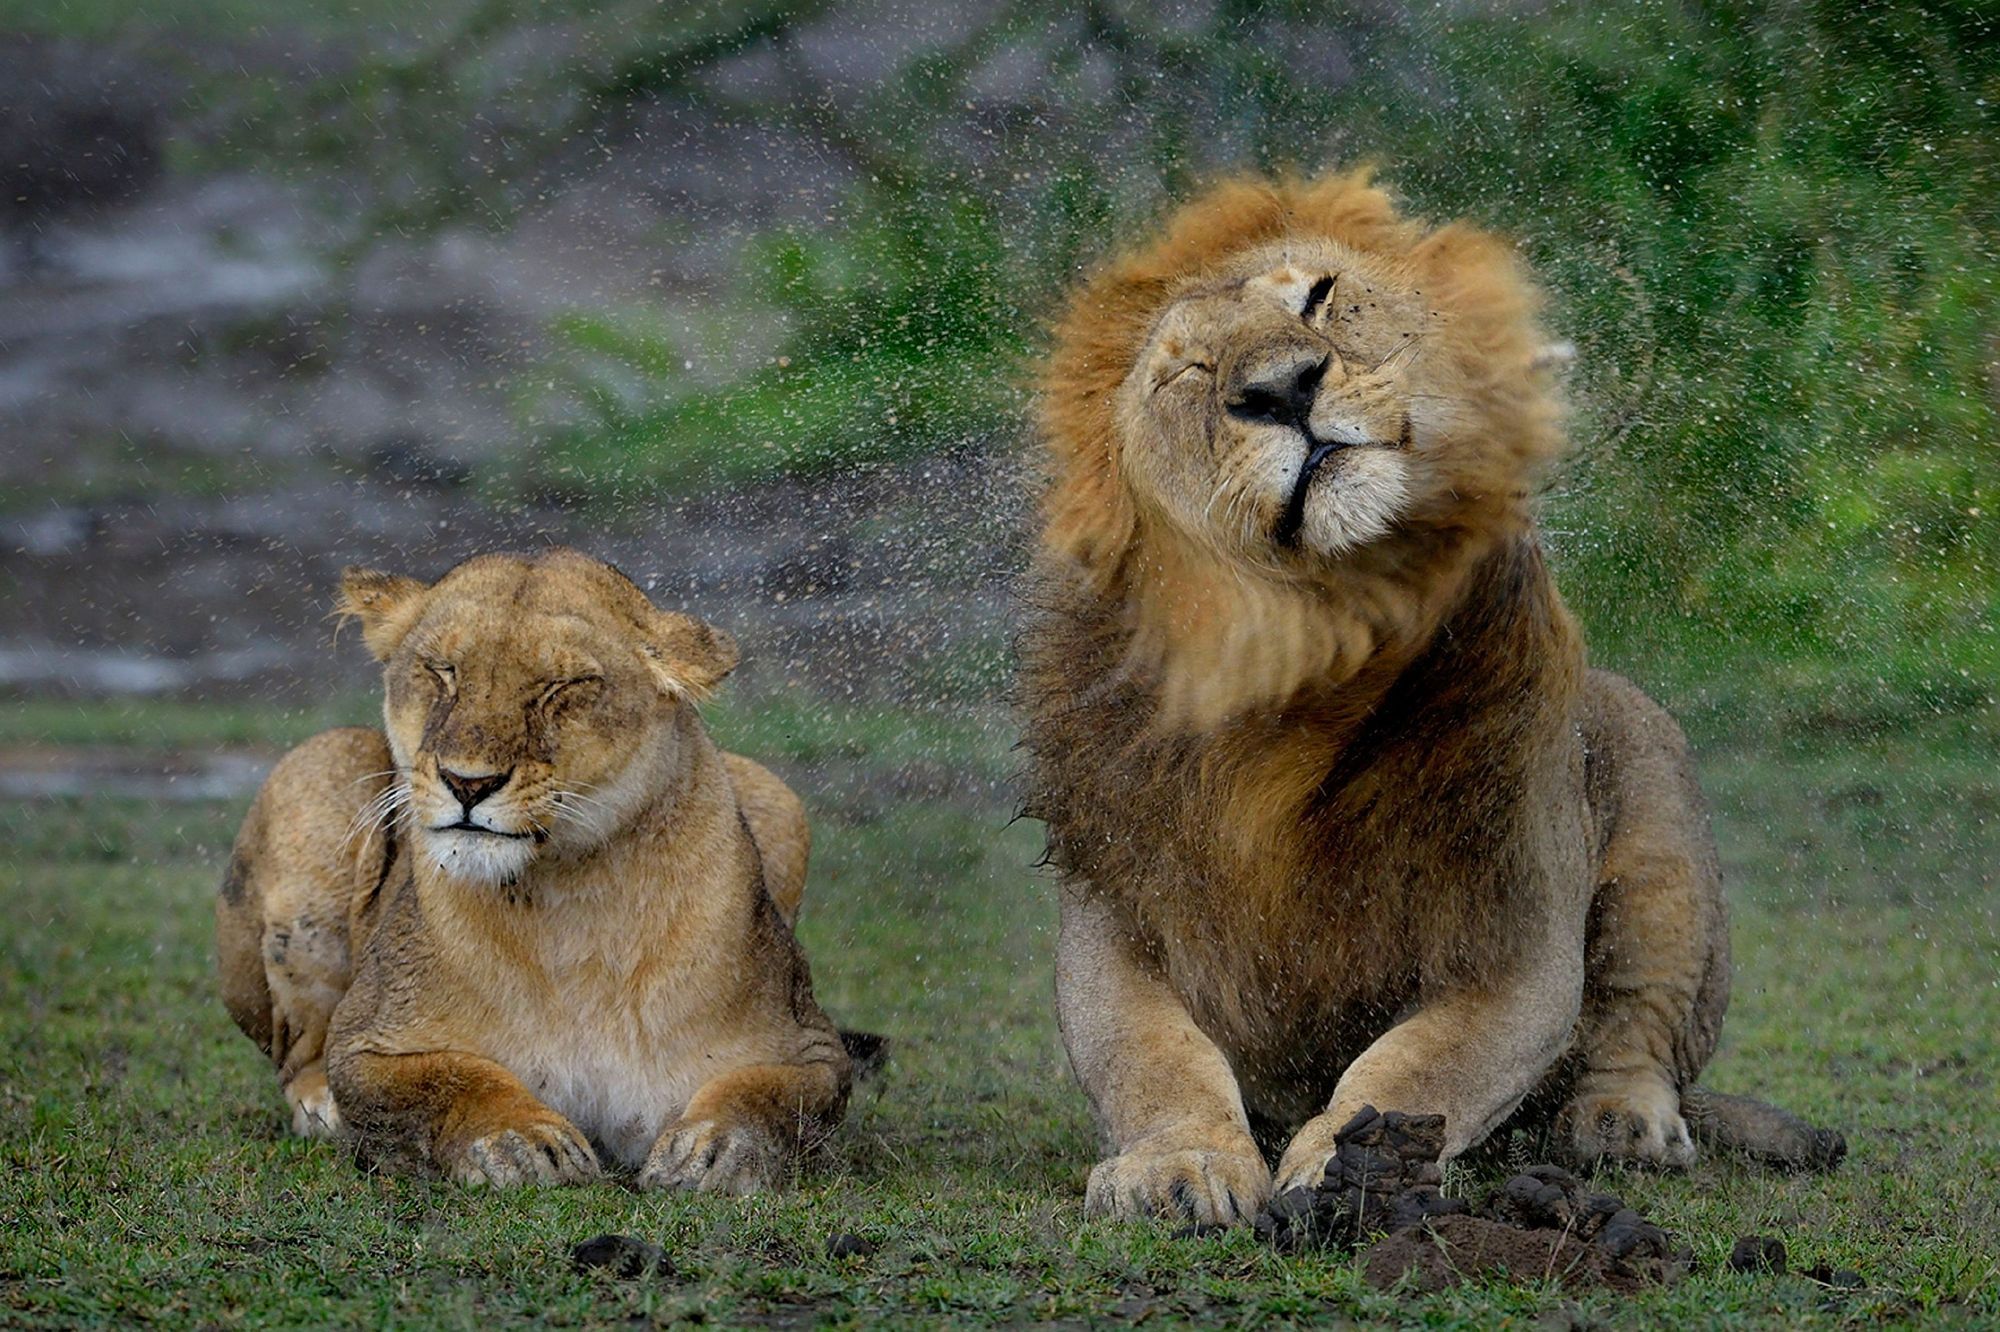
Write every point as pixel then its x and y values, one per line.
pixel 1341 816
pixel 538 919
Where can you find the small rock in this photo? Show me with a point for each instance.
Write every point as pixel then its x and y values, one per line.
pixel 849 1246
pixel 1758 1253
pixel 622 1256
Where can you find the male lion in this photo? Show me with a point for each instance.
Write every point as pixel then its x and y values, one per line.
pixel 542 918
pixel 1341 816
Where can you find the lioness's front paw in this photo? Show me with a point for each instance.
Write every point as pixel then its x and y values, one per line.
pixel 314 1114
pixel 1638 1121
pixel 1208 1178
pixel 710 1157
pixel 541 1151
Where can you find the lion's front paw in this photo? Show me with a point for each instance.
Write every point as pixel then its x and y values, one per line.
pixel 314 1114
pixel 1306 1155
pixel 1212 1178
pixel 540 1151
pixel 711 1157
pixel 1382 1174
pixel 1639 1121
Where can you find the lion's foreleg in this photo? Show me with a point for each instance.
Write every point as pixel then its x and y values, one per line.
pixel 1164 1095
pixel 1471 1055
pixel 1659 942
pixel 1659 981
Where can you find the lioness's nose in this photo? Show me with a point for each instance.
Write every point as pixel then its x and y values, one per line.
pixel 471 790
pixel 1281 395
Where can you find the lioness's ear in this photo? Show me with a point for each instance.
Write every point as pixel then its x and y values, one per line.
pixel 386 604
pixel 687 657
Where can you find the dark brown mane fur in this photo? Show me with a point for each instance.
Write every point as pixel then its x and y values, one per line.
pixel 1278 822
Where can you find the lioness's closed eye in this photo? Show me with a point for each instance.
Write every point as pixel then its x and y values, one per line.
pixel 538 920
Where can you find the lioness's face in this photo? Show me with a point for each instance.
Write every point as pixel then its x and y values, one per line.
pixel 530 704
pixel 1284 410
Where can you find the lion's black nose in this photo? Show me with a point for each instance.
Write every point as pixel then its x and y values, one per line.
pixel 471 790
pixel 1284 399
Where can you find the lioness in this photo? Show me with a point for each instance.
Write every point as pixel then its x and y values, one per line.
pixel 539 918
pixel 1341 816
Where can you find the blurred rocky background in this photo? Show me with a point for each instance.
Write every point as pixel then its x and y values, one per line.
pixel 744 295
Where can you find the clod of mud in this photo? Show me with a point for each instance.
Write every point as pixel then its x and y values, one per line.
pixel 1384 1176
pixel 1840 1278
pixel 622 1256
pixel 1543 1223
pixel 849 1246
pixel 1758 1253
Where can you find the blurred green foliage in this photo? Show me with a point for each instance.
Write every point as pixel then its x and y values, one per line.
pixel 901 338
pixel 1770 228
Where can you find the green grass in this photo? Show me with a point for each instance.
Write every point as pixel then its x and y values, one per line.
pixel 145 1177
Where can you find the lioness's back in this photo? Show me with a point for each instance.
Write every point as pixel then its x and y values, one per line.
pixel 777 819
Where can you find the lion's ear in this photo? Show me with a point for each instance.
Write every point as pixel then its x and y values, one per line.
pixel 386 604
pixel 687 657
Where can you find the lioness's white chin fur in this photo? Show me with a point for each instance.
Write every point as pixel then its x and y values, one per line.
pixel 479 858
pixel 1358 502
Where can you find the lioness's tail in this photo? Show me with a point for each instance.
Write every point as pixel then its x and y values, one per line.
pixel 868 1051
pixel 1762 1132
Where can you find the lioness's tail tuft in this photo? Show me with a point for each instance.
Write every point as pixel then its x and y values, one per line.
pixel 1762 1132
pixel 868 1051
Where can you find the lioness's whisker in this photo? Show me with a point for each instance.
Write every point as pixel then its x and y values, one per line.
pixel 374 816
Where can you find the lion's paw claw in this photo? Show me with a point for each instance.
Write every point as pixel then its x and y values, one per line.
pixel 1202 1185
pixel 1642 1125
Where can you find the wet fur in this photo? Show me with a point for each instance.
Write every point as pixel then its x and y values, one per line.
pixel 632 990
pixel 1354 829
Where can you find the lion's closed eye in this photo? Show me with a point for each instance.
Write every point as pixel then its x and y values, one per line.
pixel 1178 373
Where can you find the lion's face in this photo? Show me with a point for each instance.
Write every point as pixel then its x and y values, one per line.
pixel 1282 430
pixel 1289 407
pixel 529 704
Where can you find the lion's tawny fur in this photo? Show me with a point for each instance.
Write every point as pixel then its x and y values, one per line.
pixel 1350 822
pixel 612 973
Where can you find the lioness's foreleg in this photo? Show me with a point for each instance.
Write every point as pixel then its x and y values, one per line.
pixel 464 1114
pixel 1471 1055
pixel 741 1130
pixel 1164 1095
